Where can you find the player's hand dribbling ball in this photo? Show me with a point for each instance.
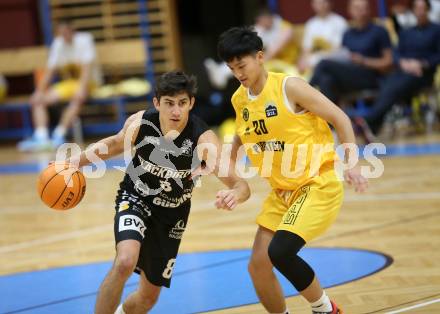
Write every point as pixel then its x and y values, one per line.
pixel 61 186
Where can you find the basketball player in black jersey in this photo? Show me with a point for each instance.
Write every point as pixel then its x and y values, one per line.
pixel 154 198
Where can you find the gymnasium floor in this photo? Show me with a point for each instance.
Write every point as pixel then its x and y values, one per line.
pixel 381 256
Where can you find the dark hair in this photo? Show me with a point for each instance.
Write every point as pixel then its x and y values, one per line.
pixel 238 42
pixel 175 82
pixel 428 4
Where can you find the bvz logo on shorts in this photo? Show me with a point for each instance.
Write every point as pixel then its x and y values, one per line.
pixel 131 222
pixel 271 110
pixel 177 231
pixel 186 147
pixel 245 114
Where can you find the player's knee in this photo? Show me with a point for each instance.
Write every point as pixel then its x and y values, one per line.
pixel 283 247
pixel 252 268
pixel 258 264
pixel 277 254
pixel 125 264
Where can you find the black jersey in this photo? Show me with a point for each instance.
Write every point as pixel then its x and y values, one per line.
pixel 160 170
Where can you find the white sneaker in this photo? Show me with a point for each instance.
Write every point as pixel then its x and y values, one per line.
pixel 33 144
pixel 57 141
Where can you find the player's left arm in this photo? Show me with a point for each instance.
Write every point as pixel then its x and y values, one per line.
pixel 209 150
pixel 301 93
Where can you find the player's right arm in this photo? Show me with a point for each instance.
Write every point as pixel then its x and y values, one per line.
pixel 238 190
pixel 113 145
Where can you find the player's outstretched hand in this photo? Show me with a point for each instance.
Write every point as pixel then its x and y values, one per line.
pixel 226 199
pixel 356 179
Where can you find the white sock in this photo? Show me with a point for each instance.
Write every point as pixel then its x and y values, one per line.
pixel 120 310
pixel 322 304
pixel 285 312
pixel 59 131
pixel 41 133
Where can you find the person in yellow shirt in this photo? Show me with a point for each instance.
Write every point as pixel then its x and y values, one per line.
pixel 281 121
pixel 281 49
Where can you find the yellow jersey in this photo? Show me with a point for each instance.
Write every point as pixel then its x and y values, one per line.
pixel 287 148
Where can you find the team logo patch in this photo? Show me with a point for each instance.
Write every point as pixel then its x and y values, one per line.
pixel 177 231
pixel 271 110
pixel 186 147
pixel 131 222
pixel 141 188
pixel 245 114
pixel 124 205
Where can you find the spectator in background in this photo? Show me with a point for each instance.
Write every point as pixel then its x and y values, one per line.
pixel 366 56
pixel 417 58
pixel 72 56
pixel 281 51
pixel 402 15
pixel 322 35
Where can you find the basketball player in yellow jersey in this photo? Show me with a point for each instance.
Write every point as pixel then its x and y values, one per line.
pixel 286 119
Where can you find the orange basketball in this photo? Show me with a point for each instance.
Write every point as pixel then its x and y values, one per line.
pixel 61 186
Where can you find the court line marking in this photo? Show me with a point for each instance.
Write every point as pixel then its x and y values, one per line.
pixel 387 263
pixel 406 309
pixel 392 197
pixel 55 238
pixel 98 229
pixel 402 304
pixel 184 272
pixel 379 226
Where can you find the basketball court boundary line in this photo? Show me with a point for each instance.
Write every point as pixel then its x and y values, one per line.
pixel 388 261
pixel 54 238
pixel 127 285
pixel 405 303
pixel 405 309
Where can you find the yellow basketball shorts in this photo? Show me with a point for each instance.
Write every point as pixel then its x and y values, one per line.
pixel 66 89
pixel 308 211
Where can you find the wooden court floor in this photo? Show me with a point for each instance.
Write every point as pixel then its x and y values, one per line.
pixel 399 216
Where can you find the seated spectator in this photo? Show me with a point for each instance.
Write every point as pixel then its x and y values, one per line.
pixel 322 35
pixel 402 15
pixel 417 57
pixel 280 50
pixel 367 57
pixel 72 56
